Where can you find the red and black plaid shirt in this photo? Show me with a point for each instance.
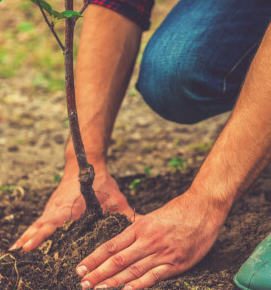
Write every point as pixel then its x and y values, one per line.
pixel 138 11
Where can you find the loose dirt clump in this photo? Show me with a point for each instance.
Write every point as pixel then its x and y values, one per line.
pixel 52 266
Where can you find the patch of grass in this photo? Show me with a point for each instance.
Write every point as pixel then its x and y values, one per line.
pixel 25 26
pixel 6 188
pixel 27 43
pixel 25 6
pixel 132 92
pixel 57 178
pixel 147 170
pixel 177 164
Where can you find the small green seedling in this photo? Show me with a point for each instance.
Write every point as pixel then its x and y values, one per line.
pixel 6 188
pixel 177 164
pixel 57 178
pixel 147 170
pixel 134 183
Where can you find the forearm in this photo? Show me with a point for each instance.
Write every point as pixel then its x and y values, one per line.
pixel 243 148
pixel 107 51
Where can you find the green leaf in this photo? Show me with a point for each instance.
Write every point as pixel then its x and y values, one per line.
pixel 71 14
pixel 46 6
pixel 134 183
pixel 57 14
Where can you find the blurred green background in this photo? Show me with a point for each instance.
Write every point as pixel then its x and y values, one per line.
pixel 29 51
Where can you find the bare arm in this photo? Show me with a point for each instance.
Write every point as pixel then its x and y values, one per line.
pixel 108 47
pixel 175 237
pixel 244 147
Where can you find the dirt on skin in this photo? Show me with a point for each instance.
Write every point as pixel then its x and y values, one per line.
pixel 52 266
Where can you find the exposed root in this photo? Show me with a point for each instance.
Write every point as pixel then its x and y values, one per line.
pixel 15 266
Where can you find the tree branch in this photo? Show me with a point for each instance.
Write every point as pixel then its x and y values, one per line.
pixel 51 27
pixel 83 9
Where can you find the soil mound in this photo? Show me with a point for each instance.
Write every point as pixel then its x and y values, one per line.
pixel 52 266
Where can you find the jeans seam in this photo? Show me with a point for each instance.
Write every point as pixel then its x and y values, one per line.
pixel 224 86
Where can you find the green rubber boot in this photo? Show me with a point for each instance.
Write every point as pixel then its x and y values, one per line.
pixel 255 273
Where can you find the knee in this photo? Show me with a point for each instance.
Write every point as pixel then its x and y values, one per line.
pixel 165 83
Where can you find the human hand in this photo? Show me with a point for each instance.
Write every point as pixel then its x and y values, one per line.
pixel 67 203
pixel 162 244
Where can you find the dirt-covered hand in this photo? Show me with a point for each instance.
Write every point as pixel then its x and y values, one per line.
pixel 66 203
pixel 156 246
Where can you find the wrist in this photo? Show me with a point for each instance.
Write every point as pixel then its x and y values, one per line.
pixel 218 205
pixel 206 206
pixel 96 160
pixel 96 157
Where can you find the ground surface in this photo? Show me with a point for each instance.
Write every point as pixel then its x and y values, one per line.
pixel 52 266
pixel 33 133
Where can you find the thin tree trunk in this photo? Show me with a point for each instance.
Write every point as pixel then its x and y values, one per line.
pixel 86 170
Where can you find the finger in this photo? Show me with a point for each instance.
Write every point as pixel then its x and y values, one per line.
pixel 151 278
pixel 133 272
pixel 39 228
pixel 39 237
pixel 32 230
pixel 116 264
pixel 105 251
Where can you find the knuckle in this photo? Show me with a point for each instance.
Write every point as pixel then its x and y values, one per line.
pixel 152 237
pixel 156 276
pixel 179 260
pixel 37 224
pixel 90 261
pixel 96 276
pixel 114 281
pixel 118 261
pixel 135 270
pixel 110 246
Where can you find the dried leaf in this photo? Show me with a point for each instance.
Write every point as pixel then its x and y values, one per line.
pixel 67 225
pixel 45 247
pixel 56 256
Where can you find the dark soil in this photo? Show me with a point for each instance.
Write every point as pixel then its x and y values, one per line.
pixel 52 265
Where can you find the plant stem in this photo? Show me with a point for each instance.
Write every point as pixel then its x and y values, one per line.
pixel 86 170
pixel 83 9
pixel 51 27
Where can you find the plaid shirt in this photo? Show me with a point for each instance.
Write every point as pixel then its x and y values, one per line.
pixel 138 11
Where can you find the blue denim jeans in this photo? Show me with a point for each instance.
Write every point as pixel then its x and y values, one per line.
pixel 195 63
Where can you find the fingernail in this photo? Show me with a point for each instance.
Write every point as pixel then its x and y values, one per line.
pixel 104 286
pixel 28 245
pixel 85 284
pixel 81 270
pixel 127 288
pixel 14 247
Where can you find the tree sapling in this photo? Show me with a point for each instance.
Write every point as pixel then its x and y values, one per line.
pixel 86 170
